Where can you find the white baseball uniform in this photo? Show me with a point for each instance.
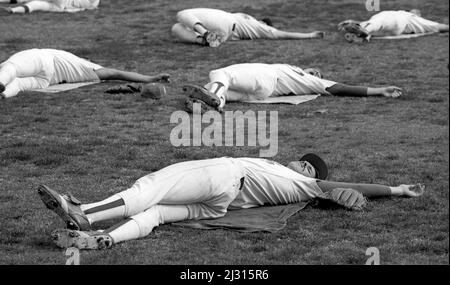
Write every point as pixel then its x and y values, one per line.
pixel 40 68
pixel 258 81
pixel 210 187
pixel 233 26
pixel 394 23
pixel 62 5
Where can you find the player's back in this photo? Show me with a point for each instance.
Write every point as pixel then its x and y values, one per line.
pixel 391 22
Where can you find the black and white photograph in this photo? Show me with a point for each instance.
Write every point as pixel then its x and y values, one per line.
pixel 249 133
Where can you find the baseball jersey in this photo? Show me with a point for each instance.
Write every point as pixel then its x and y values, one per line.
pixel 260 81
pixel 270 183
pixel 388 23
pixel 247 27
pixel 69 68
pixel 76 5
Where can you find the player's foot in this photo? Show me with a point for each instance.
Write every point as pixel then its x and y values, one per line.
pixel 352 38
pixel 65 206
pixel 412 191
pixel 66 238
pixel 212 39
pixel 5 11
pixel 200 92
pixel 189 105
pixel 2 87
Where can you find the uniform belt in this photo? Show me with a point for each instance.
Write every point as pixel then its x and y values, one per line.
pixel 242 183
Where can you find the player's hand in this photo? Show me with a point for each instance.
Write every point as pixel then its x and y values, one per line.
pixel 391 91
pixel 163 77
pixel 318 35
pixel 412 191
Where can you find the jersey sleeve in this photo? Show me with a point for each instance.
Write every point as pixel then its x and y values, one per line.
pixel 323 85
pixel 248 27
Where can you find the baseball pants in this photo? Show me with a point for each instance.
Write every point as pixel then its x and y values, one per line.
pixel 212 20
pixel 26 70
pixel 189 190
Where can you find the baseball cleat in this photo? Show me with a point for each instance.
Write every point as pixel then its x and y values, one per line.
pixel 212 39
pixel 5 11
pixel 2 87
pixel 352 38
pixel 66 238
pixel 65 206
pixel 199 92
pixel 189 105
pixel 354 27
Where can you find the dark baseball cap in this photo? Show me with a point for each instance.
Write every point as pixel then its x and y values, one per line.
pixel 319 165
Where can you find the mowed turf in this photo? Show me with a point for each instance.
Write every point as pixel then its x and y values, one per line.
pixel 93 144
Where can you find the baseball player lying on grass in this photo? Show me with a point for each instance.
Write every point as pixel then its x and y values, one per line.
pixel 258 81
pixel 28 6
pixel 204 189
pixel 390 23
pixel 212 27
pixel 40 68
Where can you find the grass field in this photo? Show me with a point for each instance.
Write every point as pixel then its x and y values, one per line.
pixel 93 144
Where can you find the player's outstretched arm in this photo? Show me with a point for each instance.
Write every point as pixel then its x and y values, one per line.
pixel 361 91
pixel 375 190
pixel 115 74
pixel 282 35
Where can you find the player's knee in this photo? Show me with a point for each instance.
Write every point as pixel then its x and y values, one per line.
pixel 9 68
pixel 177 29
pixel 181 15
pixel 146 222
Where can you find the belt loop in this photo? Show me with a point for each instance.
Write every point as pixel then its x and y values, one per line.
pixel 234 27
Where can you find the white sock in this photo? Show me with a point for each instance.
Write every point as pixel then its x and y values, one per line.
pixel 128 230
pixel 198 27
pixel 19 9
pixel 218 88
